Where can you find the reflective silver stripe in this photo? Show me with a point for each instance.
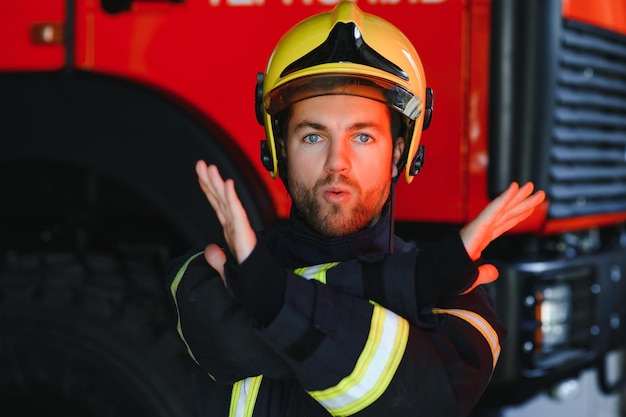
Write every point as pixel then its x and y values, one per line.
pixel 374 369
pixel 243 397
pixel 173 290
pixel 479 324
pixel 316 272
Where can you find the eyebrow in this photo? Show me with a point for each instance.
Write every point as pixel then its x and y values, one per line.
pixel 305 123
pixel 323 128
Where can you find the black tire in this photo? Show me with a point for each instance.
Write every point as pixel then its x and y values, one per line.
pixel 90 336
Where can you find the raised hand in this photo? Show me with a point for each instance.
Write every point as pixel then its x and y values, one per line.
pixel 238 232
pixel 506 211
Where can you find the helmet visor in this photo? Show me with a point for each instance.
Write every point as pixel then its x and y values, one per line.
pixel 369 87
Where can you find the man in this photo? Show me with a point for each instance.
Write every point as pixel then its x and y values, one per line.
pixel 328 313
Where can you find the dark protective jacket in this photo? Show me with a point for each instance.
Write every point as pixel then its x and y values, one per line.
pixel 311 326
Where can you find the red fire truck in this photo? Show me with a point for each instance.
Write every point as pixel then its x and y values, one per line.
pixel 105 105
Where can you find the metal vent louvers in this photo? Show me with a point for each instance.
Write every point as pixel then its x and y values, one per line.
pixel 587 172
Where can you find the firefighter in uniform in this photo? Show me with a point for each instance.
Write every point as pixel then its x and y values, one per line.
pixel 328 313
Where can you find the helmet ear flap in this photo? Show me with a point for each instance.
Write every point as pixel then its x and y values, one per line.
pixel 428 114
pixel 258 98
pixel 266 156
pixel 266 152
pixel 415 165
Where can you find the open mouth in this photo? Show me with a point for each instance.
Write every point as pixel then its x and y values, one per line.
pixel 336 195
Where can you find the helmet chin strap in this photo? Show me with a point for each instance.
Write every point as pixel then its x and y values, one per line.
pixel 392 204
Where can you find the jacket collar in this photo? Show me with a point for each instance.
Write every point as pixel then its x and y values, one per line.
pixel 298 245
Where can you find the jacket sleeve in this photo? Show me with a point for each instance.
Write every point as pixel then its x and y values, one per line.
pixel 216 329
pixel 359 358
pixel 404 282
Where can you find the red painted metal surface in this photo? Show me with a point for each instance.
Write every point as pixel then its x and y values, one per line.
pixel 609 14
pixel 18 21
pixel 205 54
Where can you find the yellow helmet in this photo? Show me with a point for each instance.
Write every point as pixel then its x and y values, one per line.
pixel 360 50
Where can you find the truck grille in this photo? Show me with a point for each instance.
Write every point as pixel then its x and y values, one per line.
pixel 587 171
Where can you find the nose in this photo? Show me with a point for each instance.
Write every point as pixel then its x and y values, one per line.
pixel 338 157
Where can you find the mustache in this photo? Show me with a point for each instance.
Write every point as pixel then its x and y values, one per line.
pixel 336 179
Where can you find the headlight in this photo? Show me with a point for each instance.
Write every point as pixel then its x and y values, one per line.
pixel 553 310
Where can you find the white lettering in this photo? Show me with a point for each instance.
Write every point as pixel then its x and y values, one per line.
pixel 238 3
pixel 291 3
pixel 383 1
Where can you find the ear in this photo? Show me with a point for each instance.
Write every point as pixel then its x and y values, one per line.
pixel 280 147
pixel 398 150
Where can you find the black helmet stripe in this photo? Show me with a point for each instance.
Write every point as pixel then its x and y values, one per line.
pixel 345 44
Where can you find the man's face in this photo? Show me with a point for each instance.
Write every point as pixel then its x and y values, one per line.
pixel 339 156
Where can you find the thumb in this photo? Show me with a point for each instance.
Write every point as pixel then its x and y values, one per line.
pixel 216 257
pixel 487 273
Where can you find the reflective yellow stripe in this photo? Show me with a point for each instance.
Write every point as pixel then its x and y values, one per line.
pixel 479 324
pixel 316 272
pixel 243 397
pixel 173 290
pixel 374 369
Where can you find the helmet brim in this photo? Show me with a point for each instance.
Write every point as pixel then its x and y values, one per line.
pixel 316 85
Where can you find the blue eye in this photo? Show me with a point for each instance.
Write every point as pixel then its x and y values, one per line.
pixel 312 138
pixel 363 138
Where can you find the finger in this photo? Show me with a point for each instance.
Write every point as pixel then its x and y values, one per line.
pixel 201 168
pixel 511 222
pixel 216 257
pixel 499 204
pixel 507 210
pixel 235 207
pixel 235 215
pixel 241 229
pixel 203 179
pixel 212 185
pixel 508 200
pixel 216 183
pixel 480 232
pixel 519 213
pixel 520 203
pixel 506 196
pixel 503 222
pixel 520 196
pixel 487 273
pixel 528 201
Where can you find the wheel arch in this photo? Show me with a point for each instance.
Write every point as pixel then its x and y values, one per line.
pixel 134 137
